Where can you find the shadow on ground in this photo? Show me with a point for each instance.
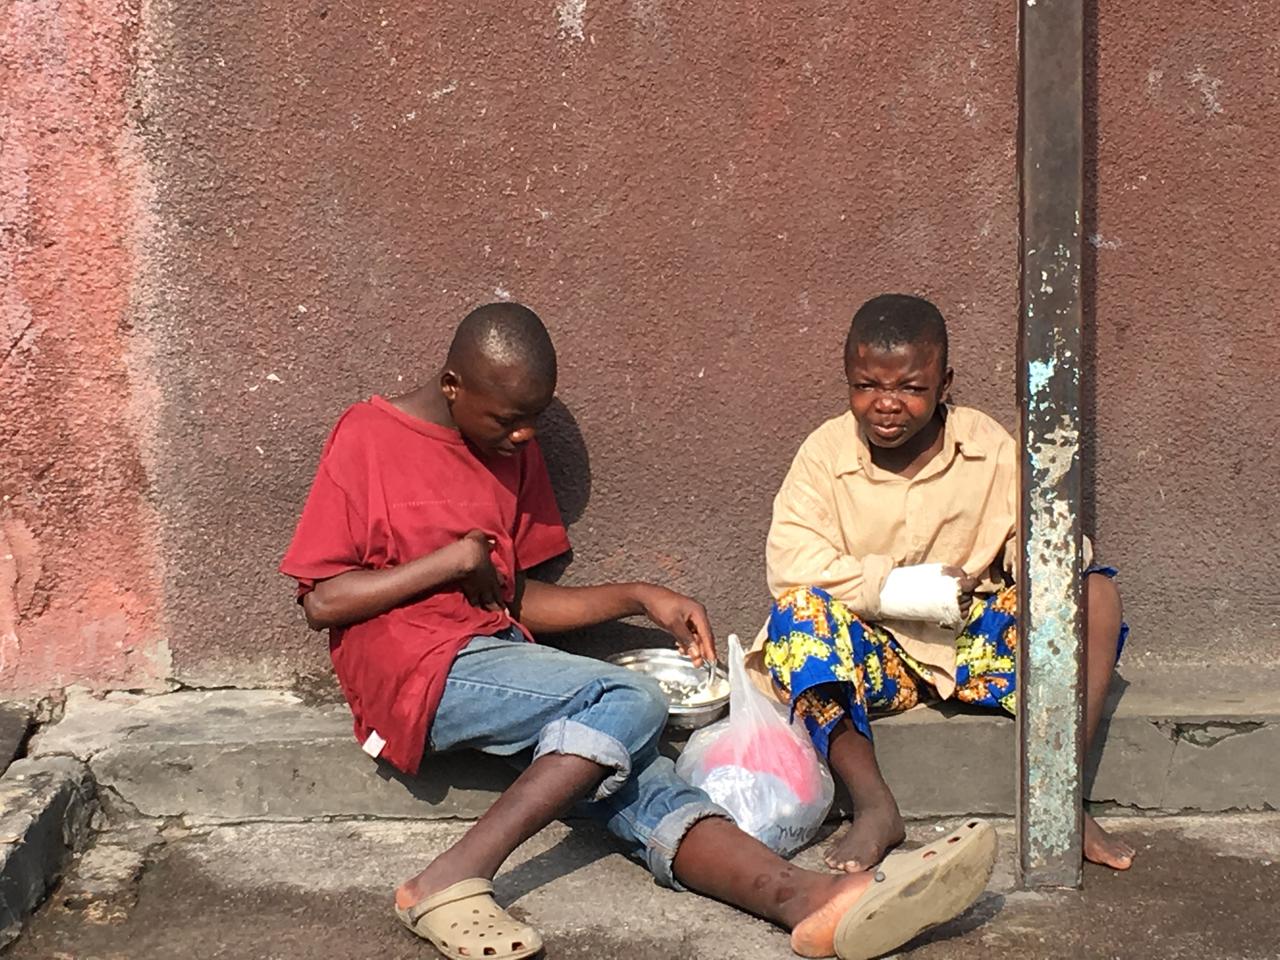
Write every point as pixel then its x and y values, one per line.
pixel 312 891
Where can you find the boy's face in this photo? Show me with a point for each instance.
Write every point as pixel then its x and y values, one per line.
pixel 893 393
pixel 495 408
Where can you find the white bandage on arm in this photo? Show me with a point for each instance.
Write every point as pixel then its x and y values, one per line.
pixel 921 592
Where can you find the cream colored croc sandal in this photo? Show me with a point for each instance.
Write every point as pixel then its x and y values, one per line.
pixel 465 923
pixel 915 890
pixel 912 891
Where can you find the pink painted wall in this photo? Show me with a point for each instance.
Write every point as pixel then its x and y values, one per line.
pixel 80 597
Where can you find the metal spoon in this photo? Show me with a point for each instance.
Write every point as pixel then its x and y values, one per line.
pixel 711 669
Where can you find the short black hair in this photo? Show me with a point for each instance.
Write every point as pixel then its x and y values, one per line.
pixel 507 334
pixel 893 320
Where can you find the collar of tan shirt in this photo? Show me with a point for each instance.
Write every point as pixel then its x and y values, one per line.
pixel 854 455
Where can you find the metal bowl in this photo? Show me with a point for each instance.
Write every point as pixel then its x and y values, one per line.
pixel 670 667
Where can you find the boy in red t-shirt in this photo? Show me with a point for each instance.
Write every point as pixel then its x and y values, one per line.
pixel 425 511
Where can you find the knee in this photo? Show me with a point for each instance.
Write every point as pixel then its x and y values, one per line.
pixel 802 597
pixel 1103 597
pixel 642 703
pixel 802 605
pixel 655 705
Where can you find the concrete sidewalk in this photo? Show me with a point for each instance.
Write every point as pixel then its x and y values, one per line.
pixel 247 823
pixel 1184 743
pixel 224 797
pixel 1201 888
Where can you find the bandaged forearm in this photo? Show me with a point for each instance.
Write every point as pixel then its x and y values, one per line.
pixel 921 592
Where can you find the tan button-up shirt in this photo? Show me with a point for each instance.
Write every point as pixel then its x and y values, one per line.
pixel 841 523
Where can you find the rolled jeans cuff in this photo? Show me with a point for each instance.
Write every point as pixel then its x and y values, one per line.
pixel 669 834
pixel 578 740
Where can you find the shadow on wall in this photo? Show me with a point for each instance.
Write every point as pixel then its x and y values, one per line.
pixel 569 465
pixel 567 460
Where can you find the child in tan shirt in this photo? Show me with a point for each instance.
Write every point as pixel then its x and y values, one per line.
pixel 895 517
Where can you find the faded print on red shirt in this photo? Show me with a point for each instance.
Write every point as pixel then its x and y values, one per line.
pixel 390 488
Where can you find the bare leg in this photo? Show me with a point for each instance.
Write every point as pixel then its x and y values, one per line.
pixel 877 825
pixel 1104 615
pixel 715 858
pixel 546 789
pixel 718 860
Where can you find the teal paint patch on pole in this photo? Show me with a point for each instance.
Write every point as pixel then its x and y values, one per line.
pixel 1050 716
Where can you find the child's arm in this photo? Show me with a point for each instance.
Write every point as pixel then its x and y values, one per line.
pixel 363 594
pixel 548 608
pixel 804 548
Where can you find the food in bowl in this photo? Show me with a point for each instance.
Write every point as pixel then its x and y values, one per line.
pixel 693 700
pixel 682 693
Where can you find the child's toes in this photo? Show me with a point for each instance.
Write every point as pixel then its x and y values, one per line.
pixel 845 866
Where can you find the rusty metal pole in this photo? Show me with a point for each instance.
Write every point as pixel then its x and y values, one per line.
pixel 1050 721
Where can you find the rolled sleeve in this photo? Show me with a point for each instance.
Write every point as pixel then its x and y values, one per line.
pixel 324 544
pixel 539 532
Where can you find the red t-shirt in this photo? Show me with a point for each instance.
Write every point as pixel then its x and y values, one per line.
pixel 391 488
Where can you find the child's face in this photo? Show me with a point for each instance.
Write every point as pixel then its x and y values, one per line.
pixel 496 409
pixel 893 393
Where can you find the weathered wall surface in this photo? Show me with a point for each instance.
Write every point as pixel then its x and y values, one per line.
pixel 693 199
pixel 79 555
pixel 1186 348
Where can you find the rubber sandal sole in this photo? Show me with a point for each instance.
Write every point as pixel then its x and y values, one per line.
pixel 921 889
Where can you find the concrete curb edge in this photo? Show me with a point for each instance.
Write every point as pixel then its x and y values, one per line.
pixel 46 809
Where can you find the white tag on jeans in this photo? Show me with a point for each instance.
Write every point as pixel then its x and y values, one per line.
pixel 373 746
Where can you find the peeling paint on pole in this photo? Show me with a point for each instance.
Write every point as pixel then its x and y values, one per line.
pixel 1049 649
pixel 1051 717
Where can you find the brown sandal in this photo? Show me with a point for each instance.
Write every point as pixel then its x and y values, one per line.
pixel 910 892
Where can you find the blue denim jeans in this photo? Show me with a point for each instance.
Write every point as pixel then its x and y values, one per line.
pixel 521 700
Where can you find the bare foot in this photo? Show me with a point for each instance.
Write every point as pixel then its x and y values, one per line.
pixel 1101 847
pixel 815 935
pixel 442 872
pixel 876 829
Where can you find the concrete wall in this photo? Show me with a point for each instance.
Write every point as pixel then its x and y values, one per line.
pixel 1186 346
pixel 694 199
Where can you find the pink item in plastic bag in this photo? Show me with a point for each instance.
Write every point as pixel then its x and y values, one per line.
pixel 760 768
pixel 773 751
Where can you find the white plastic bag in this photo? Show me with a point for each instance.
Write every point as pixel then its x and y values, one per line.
pixel 759 767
